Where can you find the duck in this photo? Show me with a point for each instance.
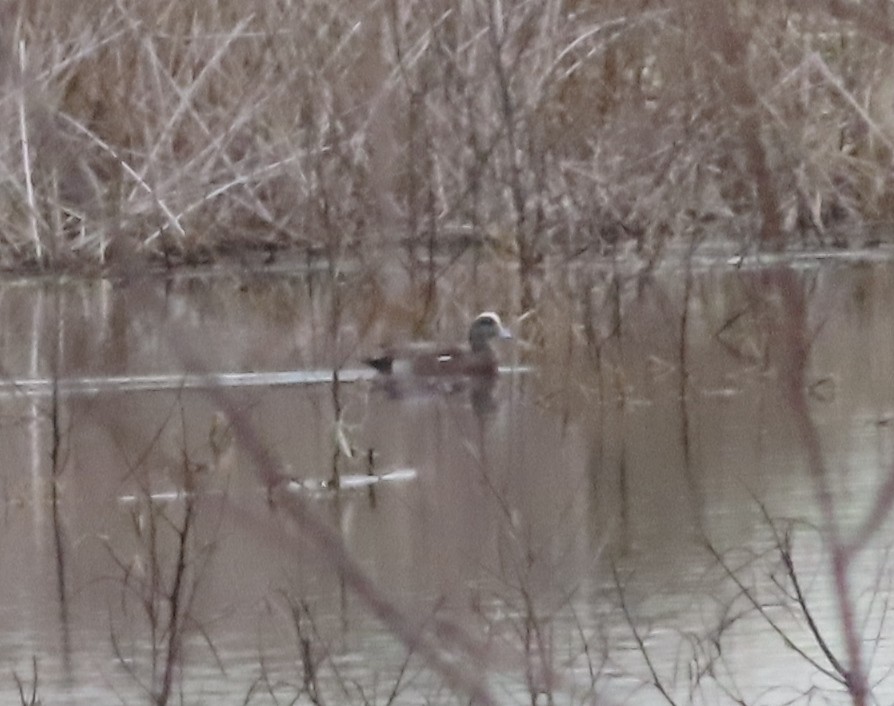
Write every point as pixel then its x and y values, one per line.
pixel 477 358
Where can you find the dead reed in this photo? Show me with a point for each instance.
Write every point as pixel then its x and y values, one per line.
pixel 186 131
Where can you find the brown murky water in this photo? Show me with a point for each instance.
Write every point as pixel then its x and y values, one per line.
pixel 592 528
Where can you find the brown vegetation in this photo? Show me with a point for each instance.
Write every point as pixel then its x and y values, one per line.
pixel 185 130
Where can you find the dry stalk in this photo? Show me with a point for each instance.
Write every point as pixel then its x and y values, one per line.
pixel 26 159
pixel 535 129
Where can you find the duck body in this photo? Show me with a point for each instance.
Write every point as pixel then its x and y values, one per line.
pixel 427 360
pixel 476 358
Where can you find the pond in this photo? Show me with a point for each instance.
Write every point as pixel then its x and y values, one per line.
pixel 208 499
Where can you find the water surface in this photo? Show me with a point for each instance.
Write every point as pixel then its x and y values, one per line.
pixel 608 521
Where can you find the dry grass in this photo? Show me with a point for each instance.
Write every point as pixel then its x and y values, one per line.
pixel 185 130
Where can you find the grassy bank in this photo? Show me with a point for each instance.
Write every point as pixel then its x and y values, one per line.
pixel 186 130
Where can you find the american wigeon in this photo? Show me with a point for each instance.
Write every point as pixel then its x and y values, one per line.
pixel 425 359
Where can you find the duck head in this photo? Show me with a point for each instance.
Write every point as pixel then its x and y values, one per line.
pixel 485 327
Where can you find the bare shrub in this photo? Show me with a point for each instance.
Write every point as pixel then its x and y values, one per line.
pixel 190 129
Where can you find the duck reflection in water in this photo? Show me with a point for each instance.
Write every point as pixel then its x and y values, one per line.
pixel 421 369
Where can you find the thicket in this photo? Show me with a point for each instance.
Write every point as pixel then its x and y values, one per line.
pixel 187 130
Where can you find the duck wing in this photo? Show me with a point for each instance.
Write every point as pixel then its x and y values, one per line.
pixel 400 356
pixel 424 359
